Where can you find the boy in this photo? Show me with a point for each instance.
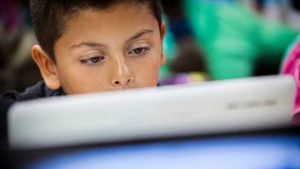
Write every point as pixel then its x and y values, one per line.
pixel 93 46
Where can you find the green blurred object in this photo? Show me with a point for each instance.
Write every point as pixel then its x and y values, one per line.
pixel 234 38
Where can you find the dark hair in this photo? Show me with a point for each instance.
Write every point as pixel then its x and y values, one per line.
pixel 50 16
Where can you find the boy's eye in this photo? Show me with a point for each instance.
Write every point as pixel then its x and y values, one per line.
pixel 137 51
pixel 92 60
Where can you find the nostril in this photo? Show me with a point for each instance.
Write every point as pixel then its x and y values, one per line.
pixel 121 83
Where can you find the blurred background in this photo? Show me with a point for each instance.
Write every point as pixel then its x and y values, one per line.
pixel 206 40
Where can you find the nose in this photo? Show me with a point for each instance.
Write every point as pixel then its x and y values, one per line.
pixel 121 74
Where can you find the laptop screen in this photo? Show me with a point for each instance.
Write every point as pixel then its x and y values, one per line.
pixel 273 149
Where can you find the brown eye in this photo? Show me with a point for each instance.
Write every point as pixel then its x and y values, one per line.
pixel 95 59
pixel 138 51
pixel 92 60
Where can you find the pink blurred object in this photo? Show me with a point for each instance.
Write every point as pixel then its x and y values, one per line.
pixel 291 66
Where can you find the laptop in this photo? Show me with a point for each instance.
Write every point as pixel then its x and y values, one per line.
pixel 206 108
pixel 240 124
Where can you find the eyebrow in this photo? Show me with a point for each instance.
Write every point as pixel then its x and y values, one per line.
pixel 139 34
pixel 88 44
pixel 95 44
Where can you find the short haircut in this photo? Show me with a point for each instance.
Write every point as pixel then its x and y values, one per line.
pixel 49 16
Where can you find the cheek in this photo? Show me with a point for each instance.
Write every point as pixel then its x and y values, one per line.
pixel 147 70
pixel 77 79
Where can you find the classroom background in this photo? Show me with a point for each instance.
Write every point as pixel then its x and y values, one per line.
pixel 206 40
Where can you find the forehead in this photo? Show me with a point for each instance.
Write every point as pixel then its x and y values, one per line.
pixel 118 21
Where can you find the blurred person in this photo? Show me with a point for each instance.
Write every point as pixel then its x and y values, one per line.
pixel 187 63
pixel 291 67
pixel 237 42
pixel 16 39
pixel 11 21
pixel 234 41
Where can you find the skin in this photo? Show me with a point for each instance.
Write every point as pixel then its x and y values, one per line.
pixel 103 50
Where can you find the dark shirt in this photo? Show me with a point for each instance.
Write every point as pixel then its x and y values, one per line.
pixel 39 90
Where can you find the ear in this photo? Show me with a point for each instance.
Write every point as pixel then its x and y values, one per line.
pixel 47 67
pixel 163 34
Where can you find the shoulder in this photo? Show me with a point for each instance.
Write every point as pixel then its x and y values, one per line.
pixel 39 90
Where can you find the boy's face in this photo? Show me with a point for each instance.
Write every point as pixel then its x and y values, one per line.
pixel 102 50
